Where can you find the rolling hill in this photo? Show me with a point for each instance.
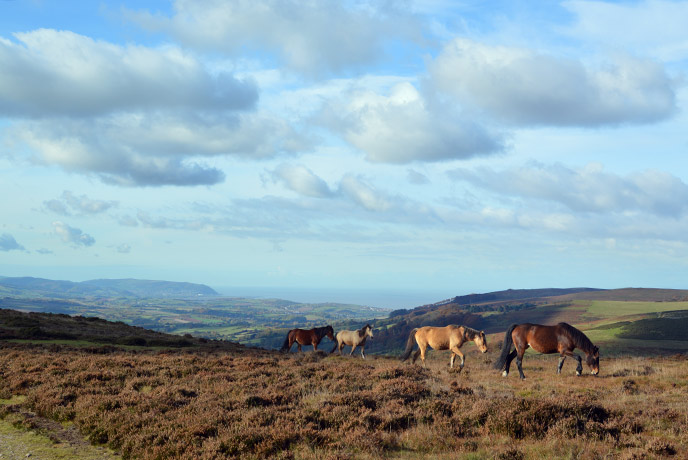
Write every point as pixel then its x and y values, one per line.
pixel 92 331
pixel 619 319
pixel 39 287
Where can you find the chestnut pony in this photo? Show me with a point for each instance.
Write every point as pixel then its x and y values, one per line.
pixel 562 338
pixel 443 338
pixel 307 337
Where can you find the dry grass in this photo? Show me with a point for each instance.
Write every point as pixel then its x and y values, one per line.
pixel 221 404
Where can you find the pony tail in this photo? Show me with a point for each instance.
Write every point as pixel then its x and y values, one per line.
pixel 409 345
pixel 506 347
pixel 285 345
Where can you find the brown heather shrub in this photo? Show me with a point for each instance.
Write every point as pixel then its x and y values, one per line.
pixel 221 404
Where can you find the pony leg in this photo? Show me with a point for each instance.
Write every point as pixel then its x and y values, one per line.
pixel 422 355
pixel 451 361
pixel 456 351
pixel 519 360
pixel 362 354
pixel 579 368
pixel 341 347
pixel 315 346
pixel 561 363
pixel 507 365
pixel 353 347
pixel 415 356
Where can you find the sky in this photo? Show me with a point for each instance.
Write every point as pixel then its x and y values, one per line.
pixel 443 147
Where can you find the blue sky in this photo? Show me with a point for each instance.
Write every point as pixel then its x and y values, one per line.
pixel 444 147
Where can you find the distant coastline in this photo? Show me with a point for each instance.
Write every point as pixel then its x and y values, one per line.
pixel 381 298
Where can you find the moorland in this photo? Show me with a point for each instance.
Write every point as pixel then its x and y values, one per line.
pixel 207 401
pixel 137 393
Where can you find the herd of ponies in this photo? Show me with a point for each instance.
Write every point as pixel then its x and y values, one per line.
pixel 561 338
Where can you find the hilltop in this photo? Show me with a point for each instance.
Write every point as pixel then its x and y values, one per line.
pixel 40 287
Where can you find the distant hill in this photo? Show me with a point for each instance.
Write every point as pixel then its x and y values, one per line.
pixel 39 287
pixel 80 330
pixel 515 294
pixel 493 312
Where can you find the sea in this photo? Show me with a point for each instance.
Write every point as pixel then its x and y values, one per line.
pixel 391 299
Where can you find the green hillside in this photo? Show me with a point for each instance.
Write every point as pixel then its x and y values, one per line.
pixel 618 320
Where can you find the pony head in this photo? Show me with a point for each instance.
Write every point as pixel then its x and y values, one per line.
pixel 329 332
pixel 593 360
pixel 481 341
pixel 369 330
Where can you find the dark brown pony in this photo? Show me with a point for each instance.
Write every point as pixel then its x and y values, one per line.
pixel 562 338
pixel 307 337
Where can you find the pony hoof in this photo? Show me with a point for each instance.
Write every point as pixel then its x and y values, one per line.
pixel 578 373
pixel 505 373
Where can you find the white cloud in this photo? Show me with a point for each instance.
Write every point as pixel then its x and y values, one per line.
pixel 79 204
pixel 302 180
pixel 405 127
pixel 363 194
pixel 588 190
pixel 60 73
pixel 131 115
pixel 154 149
pixel 313 37
pixel 72 235
pixel 8 243
pixel 521 86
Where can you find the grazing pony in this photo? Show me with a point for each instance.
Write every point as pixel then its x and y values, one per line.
pixel 443 338
pixel 307 337
pixel 562 338
pixel 353 339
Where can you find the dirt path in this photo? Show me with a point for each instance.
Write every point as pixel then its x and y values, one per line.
pixel 44 440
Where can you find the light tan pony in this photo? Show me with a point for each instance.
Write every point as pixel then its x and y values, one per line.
pixel 353 339
pixel 443 338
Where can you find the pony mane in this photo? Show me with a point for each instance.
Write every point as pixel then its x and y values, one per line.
pixel 362 331
pixel 581 340
pixel 469 332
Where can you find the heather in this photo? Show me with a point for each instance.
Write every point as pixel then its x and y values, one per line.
pixel 207 404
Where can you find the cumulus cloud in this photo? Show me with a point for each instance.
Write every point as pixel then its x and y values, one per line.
pixel 521 86
pixel 72 235
pixel 313 37
pixel 589 189
pixel 79 204
pixel 8 243
pixel 58 73
pixel 301 180
pixel 405 127
pixel 131 115
pixel 154 149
